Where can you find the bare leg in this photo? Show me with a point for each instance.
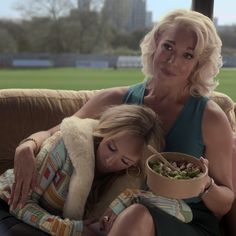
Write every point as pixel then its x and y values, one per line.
pixel 133 221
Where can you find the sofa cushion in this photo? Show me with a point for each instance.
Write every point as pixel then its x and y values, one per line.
pixel 26 111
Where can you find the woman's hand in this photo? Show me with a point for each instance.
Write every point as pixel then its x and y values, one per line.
pixel 204 161
pixel 107 220
pixel 25 174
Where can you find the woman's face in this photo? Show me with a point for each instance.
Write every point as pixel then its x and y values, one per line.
pixel 174 58
pixel 118 153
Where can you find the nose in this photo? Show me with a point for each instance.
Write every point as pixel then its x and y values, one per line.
pixel 171 59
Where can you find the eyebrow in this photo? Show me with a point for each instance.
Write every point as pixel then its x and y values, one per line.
pixel 173 42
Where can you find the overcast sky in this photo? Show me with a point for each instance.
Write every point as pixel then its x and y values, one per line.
pixel 224 10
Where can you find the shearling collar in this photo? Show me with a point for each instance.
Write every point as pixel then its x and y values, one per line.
pixel 78 138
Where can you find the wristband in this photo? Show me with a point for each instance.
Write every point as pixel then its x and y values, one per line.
pixel 208 188
pixel 33 140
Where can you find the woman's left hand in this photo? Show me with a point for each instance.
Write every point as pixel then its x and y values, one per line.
pixel 204 161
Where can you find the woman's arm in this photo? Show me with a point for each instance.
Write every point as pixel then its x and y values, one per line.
pixel 217 136
pixel 101 101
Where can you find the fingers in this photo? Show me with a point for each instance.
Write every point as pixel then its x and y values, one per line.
pixel 106 222
pixel 25 176
pixel 204 161
pixel 25 191
pixel 20 193
pixel 34 181
pixel 15 195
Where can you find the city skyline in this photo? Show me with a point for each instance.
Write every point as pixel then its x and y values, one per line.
pixel 158 8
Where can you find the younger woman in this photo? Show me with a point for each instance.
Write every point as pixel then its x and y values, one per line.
pixel 75 160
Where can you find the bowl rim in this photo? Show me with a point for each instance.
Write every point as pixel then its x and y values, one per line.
pixel 204 168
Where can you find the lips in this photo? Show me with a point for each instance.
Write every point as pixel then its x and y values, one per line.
pixel 168 72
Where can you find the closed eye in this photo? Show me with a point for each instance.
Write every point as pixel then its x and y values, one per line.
pixel 111 146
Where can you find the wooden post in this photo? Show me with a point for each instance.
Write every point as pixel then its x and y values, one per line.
pixel 203 6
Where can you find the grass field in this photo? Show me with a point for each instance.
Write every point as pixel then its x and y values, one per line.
pixel 77 79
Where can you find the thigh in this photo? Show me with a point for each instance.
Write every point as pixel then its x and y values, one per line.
pixel 204 223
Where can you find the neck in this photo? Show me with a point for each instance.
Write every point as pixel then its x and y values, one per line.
pixel 166 91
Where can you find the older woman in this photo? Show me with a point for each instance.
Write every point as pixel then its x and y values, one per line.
pixel 181 56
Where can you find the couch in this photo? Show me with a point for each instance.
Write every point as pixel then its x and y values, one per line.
pixel 25 111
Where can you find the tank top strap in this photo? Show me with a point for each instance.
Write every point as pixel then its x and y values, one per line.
pixel 135 94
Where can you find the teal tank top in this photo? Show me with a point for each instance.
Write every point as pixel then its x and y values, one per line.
pixel 186 133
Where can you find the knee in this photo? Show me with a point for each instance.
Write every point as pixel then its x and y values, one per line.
pixel 131 222
pixel 140 213
pixel 139 209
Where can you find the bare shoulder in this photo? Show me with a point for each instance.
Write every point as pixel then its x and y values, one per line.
pixel 101 101
pixel 215 123
pixel 111 95
pixel 213 114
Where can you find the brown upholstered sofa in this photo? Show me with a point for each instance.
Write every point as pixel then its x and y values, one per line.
pixel 25 111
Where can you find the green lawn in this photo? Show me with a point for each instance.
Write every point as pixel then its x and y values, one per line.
pixel 76 79
pixel 227 79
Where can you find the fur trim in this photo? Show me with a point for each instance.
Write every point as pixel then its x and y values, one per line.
pixel 78 138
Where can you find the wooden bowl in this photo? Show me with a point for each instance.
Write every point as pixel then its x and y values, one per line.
pixel 176 188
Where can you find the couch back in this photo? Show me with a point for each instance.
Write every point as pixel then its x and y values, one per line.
pixel 25 111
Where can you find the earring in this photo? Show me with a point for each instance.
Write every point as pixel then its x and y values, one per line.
pixel 133 171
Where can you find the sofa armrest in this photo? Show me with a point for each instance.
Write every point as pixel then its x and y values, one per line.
pixel 26 111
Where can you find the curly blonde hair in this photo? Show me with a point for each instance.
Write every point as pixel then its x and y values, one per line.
pixel 208 48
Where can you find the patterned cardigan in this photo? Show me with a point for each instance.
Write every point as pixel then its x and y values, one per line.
pixel 65 166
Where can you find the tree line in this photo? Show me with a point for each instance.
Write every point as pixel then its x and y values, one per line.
pixel 61 27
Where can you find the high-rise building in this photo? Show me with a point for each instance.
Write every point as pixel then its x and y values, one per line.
pixel 126 15
pixel 84 5
pixel 149 22
pixel 138 16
